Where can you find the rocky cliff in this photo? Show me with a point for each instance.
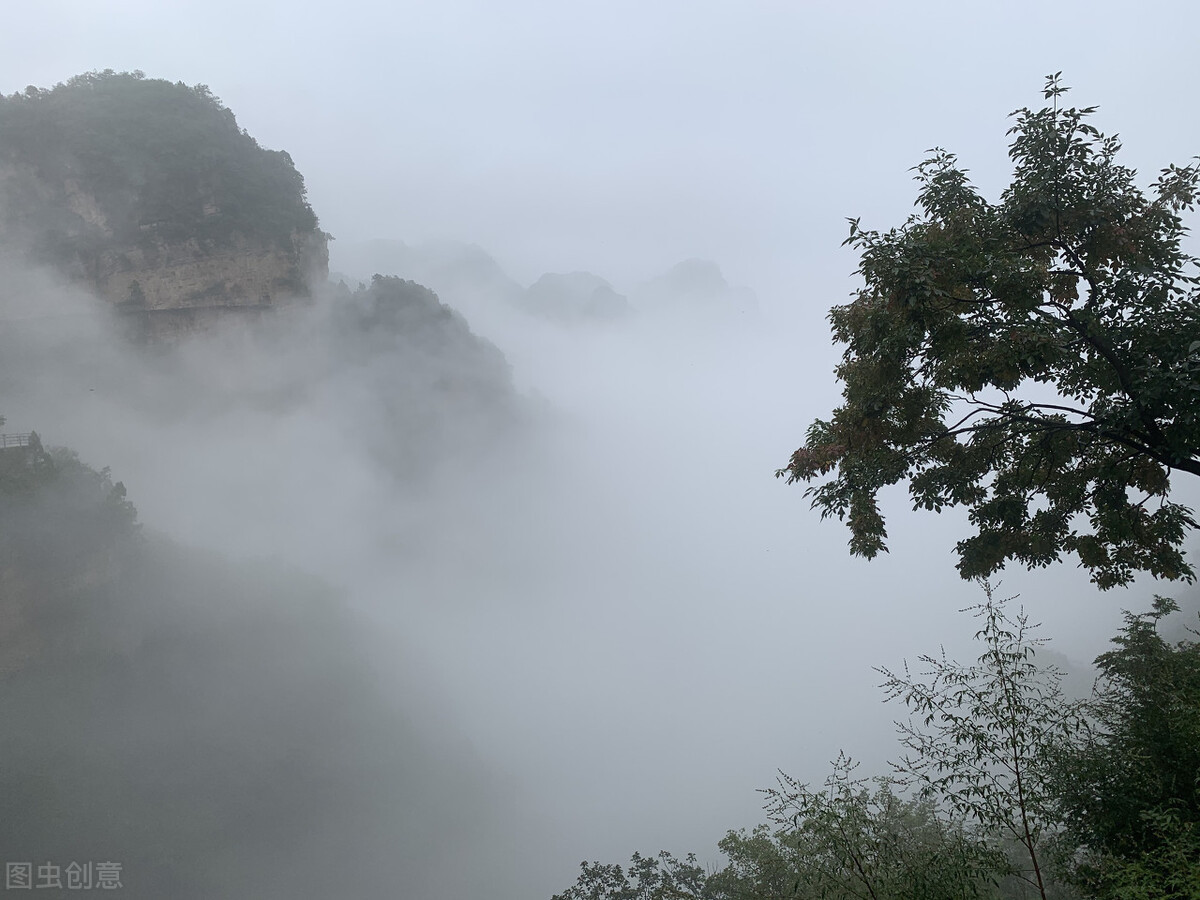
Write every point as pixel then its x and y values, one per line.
pixel 149 194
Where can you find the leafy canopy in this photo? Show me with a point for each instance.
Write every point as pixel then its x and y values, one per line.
pixel 1035 360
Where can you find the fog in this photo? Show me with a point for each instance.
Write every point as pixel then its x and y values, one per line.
pixel 581 617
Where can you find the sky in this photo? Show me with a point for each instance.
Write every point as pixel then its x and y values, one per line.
pixel 621 137
pixel 634 625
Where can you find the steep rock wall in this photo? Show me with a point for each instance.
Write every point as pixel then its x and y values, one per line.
pixel 155 275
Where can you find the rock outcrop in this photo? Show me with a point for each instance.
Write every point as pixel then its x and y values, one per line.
pixel 149 194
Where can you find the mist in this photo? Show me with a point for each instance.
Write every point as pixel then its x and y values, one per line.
pixel 600 604
pixel 536 597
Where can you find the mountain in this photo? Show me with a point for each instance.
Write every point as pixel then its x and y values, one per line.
pixel 576 296
pixel 148 193
pixel 454 270
pixel 462 273
pixel 216 729
pixel 694 285
pixel 434 389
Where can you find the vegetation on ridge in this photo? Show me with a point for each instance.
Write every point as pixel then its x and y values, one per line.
pixel 162 161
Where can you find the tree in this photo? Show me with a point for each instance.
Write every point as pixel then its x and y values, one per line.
pixel 648 878
pixel 1035 360
pixel 1129 789
pixel 852 839
pixel 856 839
pixel 763 865
pixel 986 733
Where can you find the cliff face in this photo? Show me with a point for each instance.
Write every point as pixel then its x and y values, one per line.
pixel 167 289
pixel 186 275
pixel 150 195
